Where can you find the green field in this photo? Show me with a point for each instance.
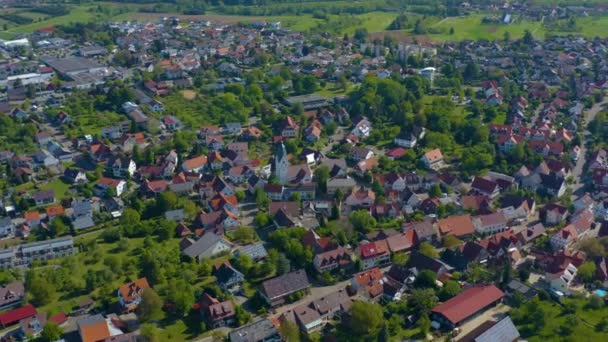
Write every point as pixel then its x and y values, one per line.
pixel 471 27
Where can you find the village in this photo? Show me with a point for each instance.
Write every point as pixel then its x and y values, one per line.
pixel 258 184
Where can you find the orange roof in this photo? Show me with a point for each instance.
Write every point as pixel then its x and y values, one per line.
pixel 127 292
pixel 32 215
pixel 98 331
pixel 456 225
pixel 434 155
pixel 368 277
pixel 195 162
pixel 55 210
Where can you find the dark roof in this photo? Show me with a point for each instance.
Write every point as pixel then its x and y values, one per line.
pixel 11 293
pixel 256 251
pixel 257 331
pixel 423 262
pixel 285 284
pixel 468 303
pixel 226 274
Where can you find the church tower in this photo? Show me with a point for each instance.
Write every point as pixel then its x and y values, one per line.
pixel 281 165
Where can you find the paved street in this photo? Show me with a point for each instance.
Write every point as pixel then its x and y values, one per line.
pixel 494 314
pixel 577 172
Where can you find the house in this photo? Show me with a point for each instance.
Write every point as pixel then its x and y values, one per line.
pixel 276 290
pixel 562 279
pixel 344 184
pixel 74 176
pixel 53 211
pixel 402 242
pixel 43 197
pixel 288 128
pixel 32 326
pixel 255 251
pixel 209 245
pixel 362 127
pixel 314 315
pixel 433 159
pixel 11 295
pixel 93 328
pixel 363 198
pixel 228 278
pixel 360 153
pixel 196 164
pixel 374 254
pixel 14 316
pixel 123 167
pixel 564 237
pixel 176 215
pixel 553 214
pixel 421 262
pixel 338 258
pixel 457 225
pixel 485 187
pixel 130 294
pixel 425 230
pixel 409 139
pixel 368 283
pixel 217 314
pixel 259 331
pixel 490 223
pixel 32 218
pixel 118 186
pixel 466 305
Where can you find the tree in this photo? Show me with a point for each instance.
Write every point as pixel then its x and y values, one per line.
pixel 290 331
pixel 451 30
pixel 150 332
pixel 523 274
pixel 596 302
pixel 130 217
pixel 427 249
pixel 244 235
pixel 166 201
pixel 435 191
pixel 51 332
pixel 450 289
pixel 362 220
pixel 182 297
pixel 57 227
pixel 586 272
pixel 423 300
pixel 150 308
pixel 424 324
pixel 507 36
pixel 40 290
pixel 507 273
pixel 261 200
pixel 366 319
pixel 471 72
pixel 321 177
pixel 242 317
pixel 426 279
pixel 450 241
pixel 528 39
pixel 282 264
pixel 261 219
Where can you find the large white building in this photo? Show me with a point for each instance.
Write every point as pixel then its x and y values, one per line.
pixel 281 165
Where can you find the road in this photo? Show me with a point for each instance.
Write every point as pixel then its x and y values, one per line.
pixel 577 172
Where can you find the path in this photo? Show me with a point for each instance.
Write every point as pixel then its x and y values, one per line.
pixel 493 314
pixel 440 22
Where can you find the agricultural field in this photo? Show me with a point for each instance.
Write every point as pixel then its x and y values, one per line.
pixel 471 27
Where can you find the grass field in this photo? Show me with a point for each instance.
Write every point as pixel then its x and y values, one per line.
pixel 61 189
pixel 78 14
pixel 471 27
pixel 189 94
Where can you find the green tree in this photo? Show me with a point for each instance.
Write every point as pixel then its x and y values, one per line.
pixel 362 220
pixel 166 201
pixel 424 324
pixel 427 249
pixel 40 290
pixel 450 289
pixel 241 315
pixel 290 331
pixel 450 241
pixel 182 296
pixel 586 272
pixel 528 39
pixel 150 332
pixel 423 300
pixel 435 191
pixel 51 332
pixel 57 227
pixel 426 279
pixel 366 319
pixel 321 176
pixel 150 308
pixel 130 217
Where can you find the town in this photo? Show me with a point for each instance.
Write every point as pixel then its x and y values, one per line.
pixel 177 179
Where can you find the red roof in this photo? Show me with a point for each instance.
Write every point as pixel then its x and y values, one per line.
pixel 14 316
pixel 469 303
pixel 59 318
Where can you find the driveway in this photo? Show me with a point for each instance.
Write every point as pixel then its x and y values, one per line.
pixel 494 314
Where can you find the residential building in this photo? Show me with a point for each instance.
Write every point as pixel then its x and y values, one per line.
pixel 130 294
pixel 374 254
pixel 276 290
pixel 207 246
pixel 433 159
pixel 259 331
pixel 23 255
pixel 217 314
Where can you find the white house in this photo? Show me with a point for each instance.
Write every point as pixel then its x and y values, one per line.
pixel 207 246
pixel 561 281
pixel 490 224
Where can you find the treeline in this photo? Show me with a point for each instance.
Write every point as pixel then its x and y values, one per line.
pixel 304 8
pixel 16 18
pixel 54 11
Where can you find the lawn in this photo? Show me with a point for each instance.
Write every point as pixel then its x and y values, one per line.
pixel 333 90
pixel 61 189
pixel 471 27
pixel 78 14
pixel 556 320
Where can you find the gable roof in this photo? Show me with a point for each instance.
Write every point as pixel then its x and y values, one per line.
pixel 468 303
pixel 16 315
pixel 203 244
pixel 131 290
pixel 285 284
pixel 456 225
pixel 93 328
